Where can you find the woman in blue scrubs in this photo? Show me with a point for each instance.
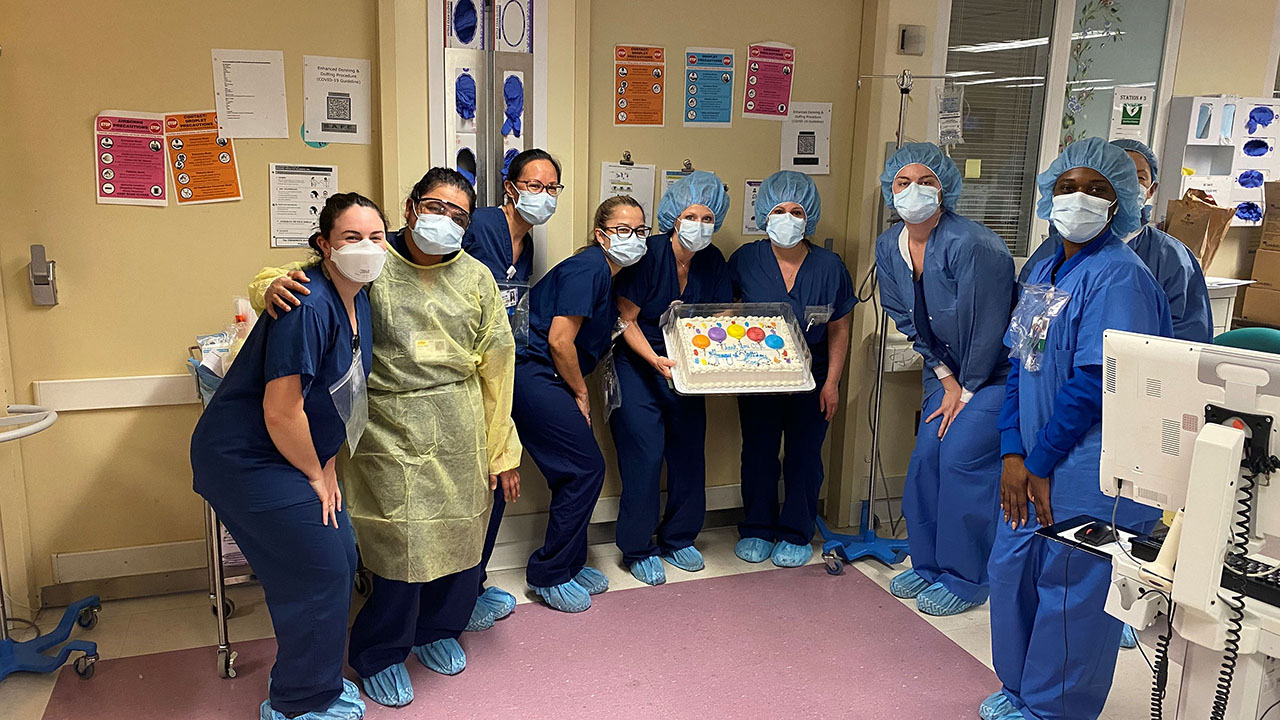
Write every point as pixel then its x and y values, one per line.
pixel 653 422
pixel 572 314
pixel 787 268
pixel 947 282
pixel 1050 439
pixel 263 456
pixel 499 238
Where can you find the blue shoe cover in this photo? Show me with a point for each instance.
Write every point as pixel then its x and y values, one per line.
pixel 443 656
pixel 566 597
pixel 995 706
pixel 391 687
pixel 687 559
pixel 499 601
pixel 1128 638
pixel 938 601
pixel 649 571
pixel 347 706
pixel 591 580
pixel 753 550
pixel 907 585
pixel 789 555
pixel 482 617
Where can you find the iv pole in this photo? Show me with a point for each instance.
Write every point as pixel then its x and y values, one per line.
pixel 837 548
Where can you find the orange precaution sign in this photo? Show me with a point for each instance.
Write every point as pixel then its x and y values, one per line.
pixel 639 75
pixel 203 165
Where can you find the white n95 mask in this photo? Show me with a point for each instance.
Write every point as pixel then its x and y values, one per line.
pixel 1079 217
pixel 625 252
pixel 359 261
pixel 785 230
pixel 916 203
pixel 535 207
pixel 437 235
pixel 695 236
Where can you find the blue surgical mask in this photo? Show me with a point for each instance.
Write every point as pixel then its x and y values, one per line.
pixel 695 236
pixel 1080 217
pixel 785 230
pixel 625 252
pixel 916 203
pixel 437 235
pixel 536 208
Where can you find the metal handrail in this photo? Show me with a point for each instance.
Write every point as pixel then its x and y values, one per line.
pixel 29 419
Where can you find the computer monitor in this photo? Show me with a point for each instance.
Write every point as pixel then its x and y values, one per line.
pixel 1156 395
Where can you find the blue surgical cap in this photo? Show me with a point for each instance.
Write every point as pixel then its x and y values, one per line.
pixel 697 188
pixel 930 156
pixel 1144 151
pixel 1114 164
pixel 789 186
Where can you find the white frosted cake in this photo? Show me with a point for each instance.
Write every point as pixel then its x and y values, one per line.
pixel 739 352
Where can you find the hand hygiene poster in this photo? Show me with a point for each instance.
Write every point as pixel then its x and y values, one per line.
pixel 639 76
pixel 202 164
pixel 708 87
pixel 769 73
pixel 130 158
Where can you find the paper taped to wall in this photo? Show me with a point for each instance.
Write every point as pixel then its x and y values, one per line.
pixel 298 193
pixel 248 90
pixel 634 180
pixel 203 165
pixel 749 208
pixel 708 87
pixel 806 139
pixel 130 158
pixel 335 99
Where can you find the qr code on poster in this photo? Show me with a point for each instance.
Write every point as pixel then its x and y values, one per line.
pixel 806 144
pixel 338 106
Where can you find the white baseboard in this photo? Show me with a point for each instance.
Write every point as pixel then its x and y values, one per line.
pixel 119 392
pixel 518 537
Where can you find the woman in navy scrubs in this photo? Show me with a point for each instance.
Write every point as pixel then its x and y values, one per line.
pixel 572 314
pixel 499 238
pixel 653 422
pixel 263 456
pixel 788 268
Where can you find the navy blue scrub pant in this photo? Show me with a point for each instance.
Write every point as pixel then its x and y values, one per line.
pixel 491 537
pixel 399 616
pixel 795 425
pixel 654 423
pixel 951 500
pixel 306 570
pixel 562 445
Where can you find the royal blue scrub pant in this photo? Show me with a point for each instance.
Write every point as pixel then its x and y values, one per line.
pixel 306 570
pixel 795 425
pixel 1053 644
pixel 951 500
pixel 561 443
pixel 399 616
pixel 491 537
pixel 654 423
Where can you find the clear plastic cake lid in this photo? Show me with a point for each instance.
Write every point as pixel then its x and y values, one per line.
pixel 749 331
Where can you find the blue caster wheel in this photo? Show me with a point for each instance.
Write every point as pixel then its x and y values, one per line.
pixel 835 566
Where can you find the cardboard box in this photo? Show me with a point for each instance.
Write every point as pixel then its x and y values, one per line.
pixel 1271 217
pixel 1266 269
pixel 1262 305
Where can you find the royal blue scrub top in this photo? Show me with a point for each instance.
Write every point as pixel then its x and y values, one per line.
pixel 653 284
pixel 822 284
pixel 580 286
pixel 488 239
pixel 233 459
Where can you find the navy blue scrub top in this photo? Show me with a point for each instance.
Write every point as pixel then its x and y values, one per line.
pixel 488 239
pixel 581 285
pixel 822 283
pixel 653 284
pixel 234 461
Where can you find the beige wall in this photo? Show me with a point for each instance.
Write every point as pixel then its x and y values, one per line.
pixel 136 284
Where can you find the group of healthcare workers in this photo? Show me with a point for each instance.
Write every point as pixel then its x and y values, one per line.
pixel 390 361
pixel 418 365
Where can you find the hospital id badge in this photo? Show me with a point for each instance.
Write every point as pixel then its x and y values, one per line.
pixel 511 292
pixel 817 315
pixel 1029 325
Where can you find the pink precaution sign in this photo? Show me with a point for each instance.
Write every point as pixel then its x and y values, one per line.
pixel 769 74
pixel 130 158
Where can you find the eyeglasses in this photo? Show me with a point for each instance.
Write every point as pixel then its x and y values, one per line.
pixel 624 233
pixel 534 186
pixel 432 206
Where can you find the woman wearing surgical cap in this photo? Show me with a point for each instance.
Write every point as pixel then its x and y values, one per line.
pixel 653 422
pixel 1050 439
pixel 947 282
pixel 787 268
pixel 1173 264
